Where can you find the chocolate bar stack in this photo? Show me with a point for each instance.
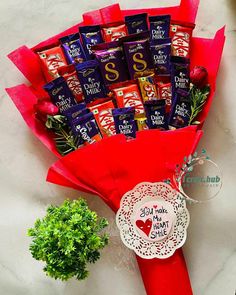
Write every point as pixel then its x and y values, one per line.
pixel 121 77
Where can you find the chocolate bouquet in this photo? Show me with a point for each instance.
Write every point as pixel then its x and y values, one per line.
pixel 112 98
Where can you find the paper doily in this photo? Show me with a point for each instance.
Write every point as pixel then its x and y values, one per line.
pixel 153 220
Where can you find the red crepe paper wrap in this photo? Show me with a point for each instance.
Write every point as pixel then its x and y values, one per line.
pixel 113 166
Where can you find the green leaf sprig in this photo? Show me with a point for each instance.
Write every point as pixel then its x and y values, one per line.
pixel 198 99
pixel 64 140
pixel 67 239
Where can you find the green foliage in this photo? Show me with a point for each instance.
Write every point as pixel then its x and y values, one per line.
pixel 67 239
pixel 65 142
pixel 198 99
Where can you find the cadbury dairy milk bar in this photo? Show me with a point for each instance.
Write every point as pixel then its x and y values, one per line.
pixel 91 80
pixel 180 110
pixel 180 74
pixel 156 114
pixel 60 94
pixel 159 27
pixel 73 49
pixel 76 111
pixel 124 121
pixel 161 51
pixel 91 35
pixel 136 23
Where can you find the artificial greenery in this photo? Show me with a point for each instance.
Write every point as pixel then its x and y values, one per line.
pixel 64 140
pixel 67 239
pixel 198 99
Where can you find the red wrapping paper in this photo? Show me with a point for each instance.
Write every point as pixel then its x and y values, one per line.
pixel 118 168
pixel 115 166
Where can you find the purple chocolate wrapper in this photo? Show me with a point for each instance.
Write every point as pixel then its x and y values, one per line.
pixel 73 49
pixel 156 114
pixel 180 110
pixel 136 23
pixel 75 111
pixel 112 63
pixel 161 51
pixel 86 128
pixel 138 56
pixel 124 121
pixel 60 94
pixel 159 26
pixel 180 74
pixel 91 80
pixel 91 35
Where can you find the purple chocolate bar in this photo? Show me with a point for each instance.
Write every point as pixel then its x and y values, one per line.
pixel 75 111
pixel 91 35
pixel 180 110
pixel 111 61
pixel 161 50
pixel 180 74
pixel 124 121
pixel 156 114
pixel 138 55
pixel 73 49
pixel 91 80
pixel 136 23
pixel 159 26
pixel 86 128
pixel 60 94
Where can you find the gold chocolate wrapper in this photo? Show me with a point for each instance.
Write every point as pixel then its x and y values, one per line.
pixel 141 122
pixel 148 88
pixel 145 73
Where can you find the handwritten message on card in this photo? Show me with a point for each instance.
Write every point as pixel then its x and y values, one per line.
pixel 154 219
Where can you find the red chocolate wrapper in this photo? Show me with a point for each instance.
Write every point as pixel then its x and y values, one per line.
pixel 164 92
pixel 181 34
pixel 51 59
pixel 69 74
pixel 103 115
pixel 162 79
pixel 127 95
pixel 114 31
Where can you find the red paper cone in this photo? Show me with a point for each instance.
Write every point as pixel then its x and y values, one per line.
pixel 114 166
